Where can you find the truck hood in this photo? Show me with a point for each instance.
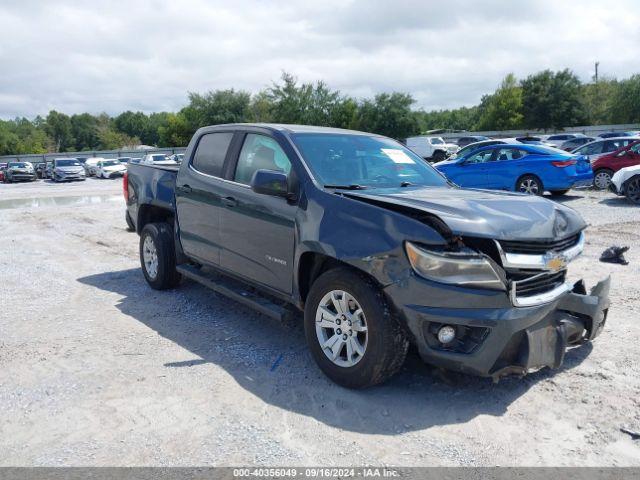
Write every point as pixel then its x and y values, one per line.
pixel 483 213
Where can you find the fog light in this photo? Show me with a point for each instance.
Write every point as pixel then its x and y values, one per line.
pixel 446 334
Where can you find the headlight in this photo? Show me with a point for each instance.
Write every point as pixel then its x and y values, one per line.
pixel 466 268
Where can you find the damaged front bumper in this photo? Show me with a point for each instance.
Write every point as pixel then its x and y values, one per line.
pixel 494 338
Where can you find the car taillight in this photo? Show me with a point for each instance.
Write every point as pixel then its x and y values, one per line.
pixel 564 163
pixel 125 186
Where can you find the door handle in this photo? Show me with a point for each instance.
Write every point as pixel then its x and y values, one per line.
pixel 186 189
pixel 229 201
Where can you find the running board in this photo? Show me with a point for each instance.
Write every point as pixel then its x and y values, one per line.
pixel 232 289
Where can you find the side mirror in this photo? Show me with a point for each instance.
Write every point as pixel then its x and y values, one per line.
pixel 270 182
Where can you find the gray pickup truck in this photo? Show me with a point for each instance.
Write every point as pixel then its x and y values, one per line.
pixel 376 247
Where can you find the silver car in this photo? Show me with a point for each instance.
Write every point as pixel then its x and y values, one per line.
pixel 595 150
pixel 67 169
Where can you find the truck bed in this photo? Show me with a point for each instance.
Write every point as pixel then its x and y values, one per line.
pixel 151 185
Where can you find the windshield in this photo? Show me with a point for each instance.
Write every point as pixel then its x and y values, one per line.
pixel 157 158
pixel 110 163
pixel 339 159
pixel 436 141
pixel 18 164
pixel 71 162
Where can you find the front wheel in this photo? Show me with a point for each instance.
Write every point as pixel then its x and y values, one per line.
pixel 529 184
pixel 158 256
pixel 602 178
pixel 632 190
pixel 352 334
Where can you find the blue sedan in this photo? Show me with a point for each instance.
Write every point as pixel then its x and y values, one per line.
pixel 523 168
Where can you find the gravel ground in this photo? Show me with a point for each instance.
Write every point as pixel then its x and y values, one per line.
pixel 98 369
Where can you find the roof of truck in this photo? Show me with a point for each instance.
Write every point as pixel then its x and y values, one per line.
pixel 295 128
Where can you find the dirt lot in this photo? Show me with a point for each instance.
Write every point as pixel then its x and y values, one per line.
pixel 98 369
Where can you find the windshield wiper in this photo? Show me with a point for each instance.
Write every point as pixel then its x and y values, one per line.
pixel 353 186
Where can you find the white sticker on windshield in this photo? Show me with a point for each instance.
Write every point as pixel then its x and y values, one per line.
pixel 398 156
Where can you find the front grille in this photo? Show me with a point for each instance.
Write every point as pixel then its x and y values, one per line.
pixel 539 248
pixel 535 283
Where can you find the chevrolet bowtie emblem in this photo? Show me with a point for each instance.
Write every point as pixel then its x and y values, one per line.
pixel 555 262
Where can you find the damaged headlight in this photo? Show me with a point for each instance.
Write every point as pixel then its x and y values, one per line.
pixel 466 267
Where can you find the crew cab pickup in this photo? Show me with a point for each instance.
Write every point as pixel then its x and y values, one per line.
pixel 373 245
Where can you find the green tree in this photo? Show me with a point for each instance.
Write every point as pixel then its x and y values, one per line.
pixel 216 107
pixel 552 100
pixel 598 101
pixel 625 102
pixel 502 110
pixel 175 132
pixel 58 127
pixel 307 103
pixel 84 129
pixel 389 114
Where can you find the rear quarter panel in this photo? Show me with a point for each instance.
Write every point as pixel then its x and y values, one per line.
pixel 150 185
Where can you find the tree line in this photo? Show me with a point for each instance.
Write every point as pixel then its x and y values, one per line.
pixel 545 100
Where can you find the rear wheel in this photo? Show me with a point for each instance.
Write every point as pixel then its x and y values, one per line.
pixel 352 334
pixel 158 256
pixel 602 178
pixel 557 193
pixel 632 189
pixel 130 226
pixel 529 184
pixel 438 156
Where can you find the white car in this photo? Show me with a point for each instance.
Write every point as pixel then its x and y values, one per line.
pixel 110 169
pixel 434 148
pixel 156 159
pixel 598 148
pixel 626 181
pixel 90 165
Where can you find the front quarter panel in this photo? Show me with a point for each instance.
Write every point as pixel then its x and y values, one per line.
pixel 368 237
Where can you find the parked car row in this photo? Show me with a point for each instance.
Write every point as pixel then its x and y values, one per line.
pixel 79 168
pixel 518 167
pixel 605 155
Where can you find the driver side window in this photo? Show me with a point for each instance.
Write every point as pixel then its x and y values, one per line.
pixel 480 157
pixel 260 152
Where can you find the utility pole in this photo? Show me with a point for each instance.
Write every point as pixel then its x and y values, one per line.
pixel 596 75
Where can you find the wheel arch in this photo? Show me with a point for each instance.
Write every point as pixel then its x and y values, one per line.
pixel 153 214
pixel 313 264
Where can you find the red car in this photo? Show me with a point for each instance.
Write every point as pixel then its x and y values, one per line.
pixel 604 167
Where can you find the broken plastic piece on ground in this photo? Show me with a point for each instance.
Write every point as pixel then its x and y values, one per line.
pixel 614 254
pixel 634 435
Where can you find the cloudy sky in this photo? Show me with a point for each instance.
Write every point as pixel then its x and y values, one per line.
pixel 116 55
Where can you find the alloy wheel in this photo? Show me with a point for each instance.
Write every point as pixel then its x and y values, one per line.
pixel 341 328
pixel 530 186
pixel 602 180
pixel 150 257
pixel 632 190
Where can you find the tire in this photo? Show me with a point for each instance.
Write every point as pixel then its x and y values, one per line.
pixel 632 190
pixel 130 226
pixel 161 248
pixel 438 156
pixel 557 193
pixel 384 343
pixel 602 178
pixel 530 184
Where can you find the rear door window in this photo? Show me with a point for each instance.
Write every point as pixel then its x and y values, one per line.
pixel 211 152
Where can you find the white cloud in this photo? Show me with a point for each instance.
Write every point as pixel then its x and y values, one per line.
pixel 112 56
